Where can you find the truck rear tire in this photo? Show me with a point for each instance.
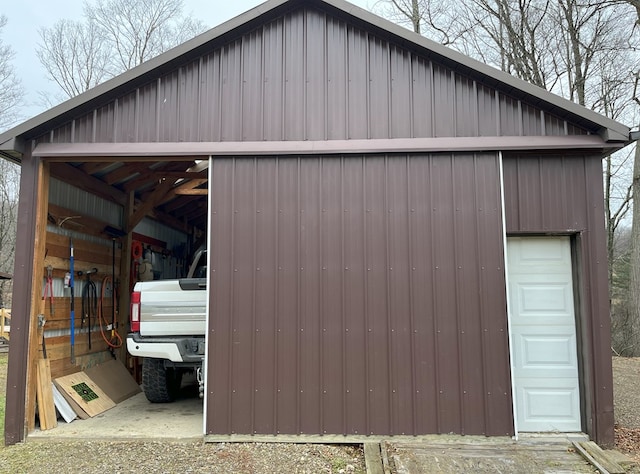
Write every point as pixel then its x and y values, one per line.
pixel 160 384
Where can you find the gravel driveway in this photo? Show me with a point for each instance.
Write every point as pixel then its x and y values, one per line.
pixel 138 457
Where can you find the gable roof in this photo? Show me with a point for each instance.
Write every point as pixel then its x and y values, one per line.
pixel 12 141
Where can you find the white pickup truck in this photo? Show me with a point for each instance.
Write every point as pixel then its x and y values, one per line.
pixel 168 319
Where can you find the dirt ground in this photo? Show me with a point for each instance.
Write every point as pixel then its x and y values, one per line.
pixel 626 405
pixel 124 457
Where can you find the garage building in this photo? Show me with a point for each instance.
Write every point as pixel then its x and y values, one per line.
pixel 402 240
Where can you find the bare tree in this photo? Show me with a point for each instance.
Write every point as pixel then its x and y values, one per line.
pixel 9 187
pixel 11 91
pixel 74 55
pixel 435 19
pixel 141 29
pixel 116 35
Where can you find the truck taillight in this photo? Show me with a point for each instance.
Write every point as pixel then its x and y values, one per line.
pixel 134 315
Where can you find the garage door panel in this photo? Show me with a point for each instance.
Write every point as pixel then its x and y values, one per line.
pixel 543 299
pixel 546 355
pixel 550 406
pixel 543 331
pixel 539 255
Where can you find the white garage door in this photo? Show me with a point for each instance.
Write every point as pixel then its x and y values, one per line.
pixel 545 370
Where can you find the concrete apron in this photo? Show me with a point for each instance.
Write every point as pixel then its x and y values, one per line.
pixel 134 419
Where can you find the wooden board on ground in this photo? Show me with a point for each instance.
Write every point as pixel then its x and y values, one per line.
pixel 114 379
pixel 596 456
pixel 44 394
pixel 85 393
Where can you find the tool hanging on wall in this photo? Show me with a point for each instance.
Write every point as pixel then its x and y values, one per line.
pixel 89 301
pixel 115 340
pixel 48 289
pixel 73 327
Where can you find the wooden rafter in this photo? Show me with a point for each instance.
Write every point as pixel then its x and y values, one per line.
pixel 149 203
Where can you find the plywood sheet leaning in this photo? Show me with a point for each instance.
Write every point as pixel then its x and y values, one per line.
pixel 44 394
pixel 116 381
pixel 85 393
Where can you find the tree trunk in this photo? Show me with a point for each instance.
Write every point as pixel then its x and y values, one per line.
pixel 634 280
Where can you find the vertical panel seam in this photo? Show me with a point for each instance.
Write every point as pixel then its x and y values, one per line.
pixel 366 298
pixel 199 104
pixel 520 119
pixel 456 293
pixel 305 74
pixel 136 115
pixel 434 302
pixel 283 109
pixel 498 118
pixel 114 137
pixel 476 108
pixel 241 87
pixel 220 90
pixel 410 273
pixel 179 125
pixel 389 351
pixel 277 298
pixel 262 83
pixel 322 331
pixel 254 282
pixel 411 99
pixel 298 297
pixel 231 299
pixel 94 126
pixel 158 100
pixel 345 391
pixel 368 83
pixel 432 92
pixel 347 87
pixel 454 102
pixel 325 84
pixel 389 92
pixel 481 302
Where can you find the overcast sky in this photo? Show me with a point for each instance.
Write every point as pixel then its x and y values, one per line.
pixel 26 17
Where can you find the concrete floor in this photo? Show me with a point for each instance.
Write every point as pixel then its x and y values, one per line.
pixel 136 419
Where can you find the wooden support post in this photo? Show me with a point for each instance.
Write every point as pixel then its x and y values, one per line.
pixel 39 245
pixel 125 277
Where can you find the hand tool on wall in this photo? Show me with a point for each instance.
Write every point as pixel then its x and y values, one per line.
pixel 48 289
pixel 73 328
pixel 89 301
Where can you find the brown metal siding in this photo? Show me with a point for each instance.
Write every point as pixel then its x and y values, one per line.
pixel 357 295
pixel 309 76
pixel 563 194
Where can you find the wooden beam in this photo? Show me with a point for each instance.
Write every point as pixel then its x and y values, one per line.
pixel 187 188
pixel 151 201
pixel 125 171
pixel 193 192
pixel 75 177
